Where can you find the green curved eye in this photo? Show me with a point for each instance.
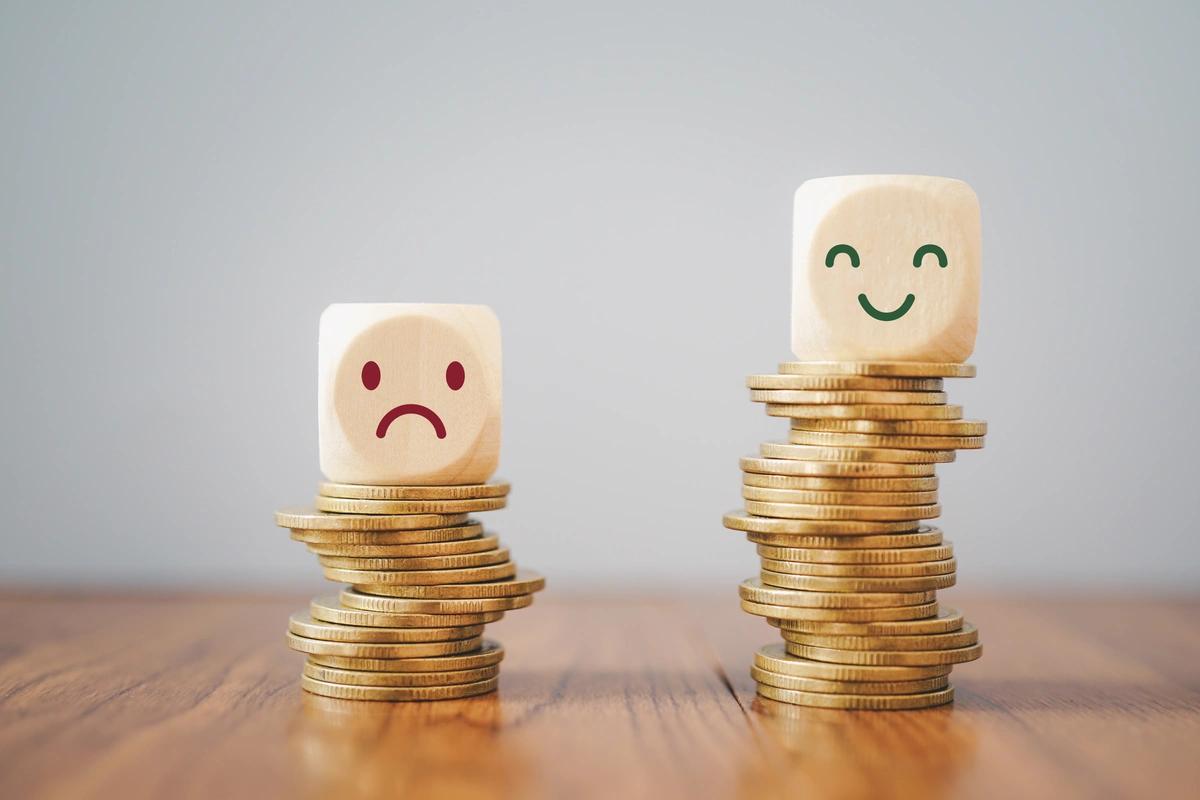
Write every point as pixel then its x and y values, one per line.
pixel 843 248
pixel 925 250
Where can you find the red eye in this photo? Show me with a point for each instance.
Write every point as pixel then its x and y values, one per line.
pixel 455 375
pixel 370 375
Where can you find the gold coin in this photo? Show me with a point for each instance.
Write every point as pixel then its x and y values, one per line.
pixel 846 398
pixel 838 498
pixel 843 382
pixel 489 654
pixel 320 647
pixel 328 609
pixel 460 561
pixel 806 452
pixel 353 598
pixel 834 439
pixel 819 484
pixel 354 677
pixel 926 536
pixel 302 624
pixel 885 369
pixel 469 491
pixel 425 577
pixel 881 555
pixel 524 583
pixel 874 411
pixel 774 657
pixel 809 583
pixel 844 469
pixel 738 521
pixel 879 702
pixel 895 427
pixel 756 591
pixel 341 505
pixel 454 533
pixel 947 619
pixel 815 512
pixel 311 520
pixel 791 614
pixel 915 570
pixel 892 658
pixel 967 636
pixel 765 676
pixel 398 693
pixel 457 547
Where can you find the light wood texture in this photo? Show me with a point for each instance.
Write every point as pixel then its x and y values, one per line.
pixel 408 393
pixel 629 697
pixel 857 294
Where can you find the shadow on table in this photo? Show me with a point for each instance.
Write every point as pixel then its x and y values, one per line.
pixel 362 749
pixel 818 752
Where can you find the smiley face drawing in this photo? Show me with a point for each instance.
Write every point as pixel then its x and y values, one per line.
pixel 409 393
pixel 885 267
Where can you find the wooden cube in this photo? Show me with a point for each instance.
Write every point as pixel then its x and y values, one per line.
pixel 408 393
pixel 885 268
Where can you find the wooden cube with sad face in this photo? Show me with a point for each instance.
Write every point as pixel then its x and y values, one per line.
pixel 409 393
pixel 885 268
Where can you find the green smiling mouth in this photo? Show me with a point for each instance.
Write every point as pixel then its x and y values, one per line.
pixel 886 316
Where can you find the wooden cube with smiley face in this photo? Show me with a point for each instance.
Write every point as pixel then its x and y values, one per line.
pixel 408 394
pixel 885 268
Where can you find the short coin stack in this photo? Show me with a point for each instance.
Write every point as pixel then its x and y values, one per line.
pixel 424 579
pixel 849 573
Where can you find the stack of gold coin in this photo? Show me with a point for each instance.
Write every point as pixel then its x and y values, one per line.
pixel 850 571
pixel 424 579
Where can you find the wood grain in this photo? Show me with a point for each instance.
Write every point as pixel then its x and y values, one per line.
pixel 196 696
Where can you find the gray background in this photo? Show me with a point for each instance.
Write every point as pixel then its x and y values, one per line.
pixel 182 190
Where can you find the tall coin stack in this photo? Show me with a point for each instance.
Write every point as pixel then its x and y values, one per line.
pixel 849 572
pixel 424 580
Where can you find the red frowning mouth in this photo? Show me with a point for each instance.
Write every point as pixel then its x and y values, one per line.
pixel 411 408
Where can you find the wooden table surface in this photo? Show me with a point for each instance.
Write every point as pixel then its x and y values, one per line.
pixel 607 697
